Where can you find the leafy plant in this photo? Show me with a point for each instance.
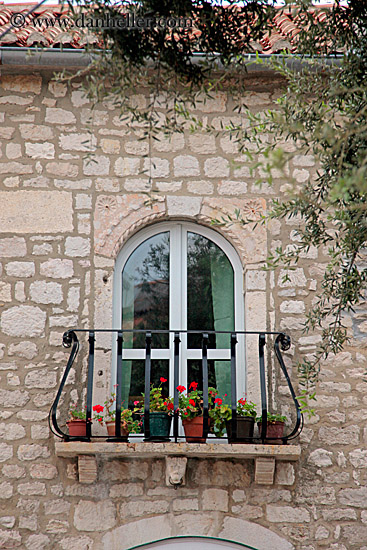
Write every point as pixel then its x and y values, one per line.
pixel 272 418
pixel 127 420
pixel 77 414
pixel 191 404
pixel 158 402
pixel 222 413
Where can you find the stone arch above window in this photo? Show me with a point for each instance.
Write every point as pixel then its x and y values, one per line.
pixel 118 218
pixel 199 524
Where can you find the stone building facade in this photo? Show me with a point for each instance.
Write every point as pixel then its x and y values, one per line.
pixel 63 220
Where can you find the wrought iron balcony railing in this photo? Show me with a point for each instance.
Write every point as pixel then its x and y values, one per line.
pixel 282 342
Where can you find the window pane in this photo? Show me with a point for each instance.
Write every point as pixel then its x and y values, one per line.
pixel 145 291
pixel 210 304
pixel 160 368
pixel 218 377
pixel 210 291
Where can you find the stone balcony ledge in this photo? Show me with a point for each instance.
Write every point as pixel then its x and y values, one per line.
pixel 176 455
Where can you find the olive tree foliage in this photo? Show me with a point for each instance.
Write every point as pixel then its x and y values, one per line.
pixel 322 112
pixel 173 48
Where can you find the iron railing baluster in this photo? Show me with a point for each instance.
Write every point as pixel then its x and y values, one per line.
pixel 284 341
pixel 264 406
pixel 233 386
pixel 118 386
pixel 148 365
pixel 91 341
pixel 69 338
pixel 176 374
pixel 205 385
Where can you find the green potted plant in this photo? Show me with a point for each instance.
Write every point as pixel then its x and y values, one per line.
pixel 221 415
pixel 160 412
pixel 77 423
pixel 274 427
pixel 191 408
pixel 128 424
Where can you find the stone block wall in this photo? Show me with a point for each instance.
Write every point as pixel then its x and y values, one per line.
pixel 72 191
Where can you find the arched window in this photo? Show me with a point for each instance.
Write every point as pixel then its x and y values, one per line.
pixel 179 276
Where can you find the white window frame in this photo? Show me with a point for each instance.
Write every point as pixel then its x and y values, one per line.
pixel 178 315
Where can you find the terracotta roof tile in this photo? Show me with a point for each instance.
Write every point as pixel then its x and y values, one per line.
pixel 283 36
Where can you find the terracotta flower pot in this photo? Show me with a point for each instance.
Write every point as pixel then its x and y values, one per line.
pixel 245 429
pixel 274 431
pixel 194 429
pixel 111 429
pixel 77 428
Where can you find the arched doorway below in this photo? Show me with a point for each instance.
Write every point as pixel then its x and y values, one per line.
pixel 194 543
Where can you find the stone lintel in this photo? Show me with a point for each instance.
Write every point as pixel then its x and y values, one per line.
pixel 264 470
pixel 191 450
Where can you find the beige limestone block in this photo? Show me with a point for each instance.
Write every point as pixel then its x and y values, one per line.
pixel 10 539
pixel 15 168
pixel 156 167
pixel 20 269
pixel 36 132
pixel 110 146
pixel 25 349
pixel 77 142
pixel 6 452
pixel 94 516
pixel 21 83
pixel 215 499
pixel 58 89
pixel 12 247
pixel 13 151
pixel 138 532
pixel 15 100
pixel 137 185
pixel 183 206
pixel 97 165
pixel 23 321
pixel 186 165
pixel 5 292
pixel 200 187
pixel 216 167
pixel 56 268
pixel 140 148
pixel 32 452
pixel 62 169
pixel 59 116
pixel 253 534
pixel 36 212
pixel 232 187
pixel 127 166
pixel 78 98
pixel 202 144
pixel 287 514
pixel 165 144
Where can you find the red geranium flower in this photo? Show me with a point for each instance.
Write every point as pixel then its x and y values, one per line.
pixel 181 388
pixel 193 385
pixel 170 406
pixel 218 400
pixel 192 402
pixel 163 380
pixel 98 408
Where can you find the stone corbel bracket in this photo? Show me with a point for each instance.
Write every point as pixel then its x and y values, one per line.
pixel 176 470
pixel 264 470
